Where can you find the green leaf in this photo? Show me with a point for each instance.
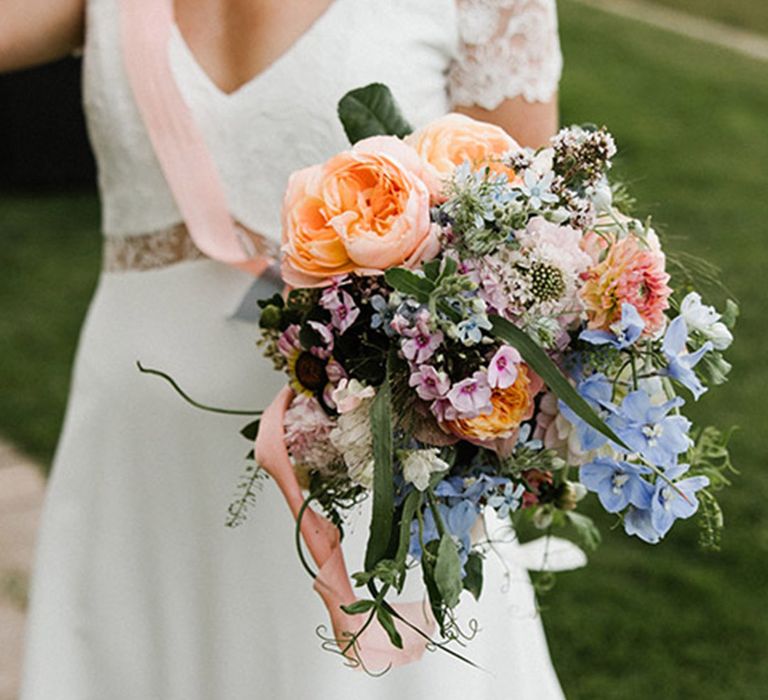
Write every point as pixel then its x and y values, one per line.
pixel 586 531
pixel 542 364
pixel 473 581
pixel 383 488
pixel 385 620
pixel 250 431
pixel 412 502
pixel 448 571
pixel 431 269
pixel 409 283
pixel 428 574
pixel 359 606
pixel 371 111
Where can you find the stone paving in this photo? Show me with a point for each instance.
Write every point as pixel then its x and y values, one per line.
pixel 21 496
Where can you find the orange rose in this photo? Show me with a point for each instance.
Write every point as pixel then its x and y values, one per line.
pixel 511 406
pixel 447 142
pixel 363 211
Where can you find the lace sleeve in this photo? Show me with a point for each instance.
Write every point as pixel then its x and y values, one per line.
pixel 507 48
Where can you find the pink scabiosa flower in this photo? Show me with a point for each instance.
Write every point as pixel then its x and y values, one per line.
pixel 430 384
pixel 502 370
pixel 471 397
pixel 307 436
pixel 630 273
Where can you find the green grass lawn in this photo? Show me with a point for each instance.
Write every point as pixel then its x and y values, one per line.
pixel 49 256
pixel 663 622
pixel 747 14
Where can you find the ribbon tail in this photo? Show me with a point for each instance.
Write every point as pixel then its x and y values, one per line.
pixel 372 649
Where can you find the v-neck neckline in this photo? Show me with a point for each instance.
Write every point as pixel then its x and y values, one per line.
pixel 262 74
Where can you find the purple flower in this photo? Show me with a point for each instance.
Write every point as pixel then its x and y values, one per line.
pixel 502 372
pixel 471 397
pixel 430 384
pixel 681 362
pixel 419 343
pixel 617 483
pixel 622 334
pixel 342 306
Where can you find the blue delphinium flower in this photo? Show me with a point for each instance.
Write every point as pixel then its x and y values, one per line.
pixel 458 520
pixel 669 502
pixel 672 502
pixel 617 483
pixel 508 501
pixel 680 361
pixel 646 428
pixel 596 390
pixel 622 334
pixel 471 488
pixel 637 521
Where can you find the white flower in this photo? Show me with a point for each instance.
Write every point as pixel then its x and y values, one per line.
pixel 703 318
pixel 602 197
pixel 352 438
pixel 419 465
pixel 348 395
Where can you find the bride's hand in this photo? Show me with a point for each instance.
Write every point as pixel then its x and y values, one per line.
pixel 38 31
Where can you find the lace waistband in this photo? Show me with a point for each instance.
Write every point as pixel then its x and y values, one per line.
pixel 169 246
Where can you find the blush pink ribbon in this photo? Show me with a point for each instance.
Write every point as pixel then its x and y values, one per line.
pixel 189 168
pixel 373 649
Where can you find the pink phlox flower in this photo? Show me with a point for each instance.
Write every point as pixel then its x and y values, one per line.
pixel 288 343
pixel 420 343
pixel 443 410
pixel 430 384
pixel 502 371
pixel 342 307
pixel 471 397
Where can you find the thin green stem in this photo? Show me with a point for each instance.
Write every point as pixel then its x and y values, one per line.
pixel 190 400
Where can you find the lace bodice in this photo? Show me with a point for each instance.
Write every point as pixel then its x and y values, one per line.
pixel 432 53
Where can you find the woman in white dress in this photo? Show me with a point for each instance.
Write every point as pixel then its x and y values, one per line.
pixel 140 591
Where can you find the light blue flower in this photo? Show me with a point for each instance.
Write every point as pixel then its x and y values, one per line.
pixel 646 428
pixel 458 519
pixel 538 188
pixel 680 361
pixel 672 502
pixel 622 334
pixel 637 521
pixel 508 501
pixel 383 316
pixel 470 331
pixel 617 483
pixel 596 390
pixel 471 488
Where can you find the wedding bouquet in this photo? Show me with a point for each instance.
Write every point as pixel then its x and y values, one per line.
pixel 474 325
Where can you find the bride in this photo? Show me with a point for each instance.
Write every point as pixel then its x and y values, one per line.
pixel 140 591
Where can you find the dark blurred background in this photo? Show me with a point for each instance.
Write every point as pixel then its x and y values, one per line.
pixel 43 141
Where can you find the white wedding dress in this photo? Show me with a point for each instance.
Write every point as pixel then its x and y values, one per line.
pixel 140 591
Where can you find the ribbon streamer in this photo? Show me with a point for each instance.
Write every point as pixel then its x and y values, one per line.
pixel 373 648
pixel 189 168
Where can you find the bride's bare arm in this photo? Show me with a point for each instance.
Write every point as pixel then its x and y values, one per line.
pixel 38 31
pixel 530 123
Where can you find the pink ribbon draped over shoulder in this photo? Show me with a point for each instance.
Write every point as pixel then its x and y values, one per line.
pixel 189 168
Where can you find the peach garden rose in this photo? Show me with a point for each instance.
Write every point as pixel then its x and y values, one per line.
pixel 449 141
pixel 363 211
